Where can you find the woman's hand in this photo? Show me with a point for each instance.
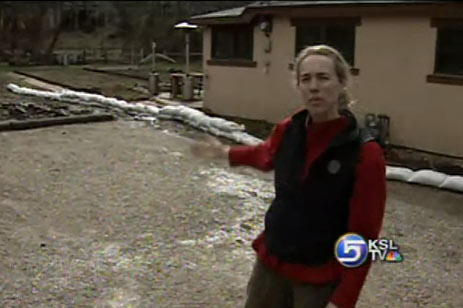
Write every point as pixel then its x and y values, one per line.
pixel 210 147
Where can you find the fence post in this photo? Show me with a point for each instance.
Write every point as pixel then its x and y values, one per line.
pixel 131 55
pixel 153 57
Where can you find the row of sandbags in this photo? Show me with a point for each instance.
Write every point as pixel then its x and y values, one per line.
pixel 214 125
pixel 83 98
pixel 425 177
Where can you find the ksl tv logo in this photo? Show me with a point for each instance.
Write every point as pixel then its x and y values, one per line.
pixel 351 250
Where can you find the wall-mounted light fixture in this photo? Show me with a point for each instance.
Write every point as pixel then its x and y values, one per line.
pixel 266 25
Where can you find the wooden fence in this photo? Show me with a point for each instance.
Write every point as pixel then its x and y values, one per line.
pixel 111 55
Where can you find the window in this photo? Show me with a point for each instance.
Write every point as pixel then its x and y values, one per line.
pixel 232 44
pixel 448 62
pixel 449 48
pixel 338 33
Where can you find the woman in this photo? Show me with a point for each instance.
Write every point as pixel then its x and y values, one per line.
pixel 329 180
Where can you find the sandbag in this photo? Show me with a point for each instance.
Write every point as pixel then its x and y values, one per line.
pixel 218 123
pixel 120 104
pixel 182 113
pixel 140 107
pixel 152 109
pixel 428 177
pixel 104 100
pixel 225 125
pixel 453 183
pixel 34 92
pixel 13 88
pixel 52 95
pixel 398 173
pixel 217 132
pixel 85 97
pixel 165 116
pixel 96 97
pixel 168 110
pixel 66 95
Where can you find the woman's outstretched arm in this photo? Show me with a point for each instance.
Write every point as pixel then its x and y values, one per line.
pixel 258 156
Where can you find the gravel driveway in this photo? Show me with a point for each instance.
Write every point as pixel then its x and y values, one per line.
pixel 119 214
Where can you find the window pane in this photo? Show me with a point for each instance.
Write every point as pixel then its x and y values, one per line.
pixel 307 36
pixel 343 39
pixel 449 51
pixel 243 44
pixel 222 44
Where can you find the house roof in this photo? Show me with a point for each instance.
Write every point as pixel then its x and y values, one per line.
pixel 235 12
pixel 259 4
pixel 239 12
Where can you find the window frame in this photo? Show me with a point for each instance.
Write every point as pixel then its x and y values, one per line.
pixel 324 23
pixel 234 60
pixel 436 76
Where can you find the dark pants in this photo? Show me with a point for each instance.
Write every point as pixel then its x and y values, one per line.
pixel 267 289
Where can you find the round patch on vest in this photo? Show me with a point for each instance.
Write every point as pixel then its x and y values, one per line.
pixel 334 166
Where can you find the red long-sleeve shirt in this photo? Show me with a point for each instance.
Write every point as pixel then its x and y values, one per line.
pixel 365 213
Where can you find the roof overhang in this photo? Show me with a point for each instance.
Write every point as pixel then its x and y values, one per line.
pixel 299 9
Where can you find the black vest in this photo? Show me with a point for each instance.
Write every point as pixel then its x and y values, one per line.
pixel 307 217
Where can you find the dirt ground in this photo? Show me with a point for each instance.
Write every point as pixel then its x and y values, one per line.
pixel 120 214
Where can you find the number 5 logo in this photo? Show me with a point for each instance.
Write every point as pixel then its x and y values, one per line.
pixel 351 250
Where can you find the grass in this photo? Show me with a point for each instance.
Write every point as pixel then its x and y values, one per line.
pixel 5 79
pixel 5 68
pixel 76 78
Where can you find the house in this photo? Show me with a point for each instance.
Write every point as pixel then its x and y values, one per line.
pixel 406 58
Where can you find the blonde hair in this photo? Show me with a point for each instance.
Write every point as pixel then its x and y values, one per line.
pixel 341 68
